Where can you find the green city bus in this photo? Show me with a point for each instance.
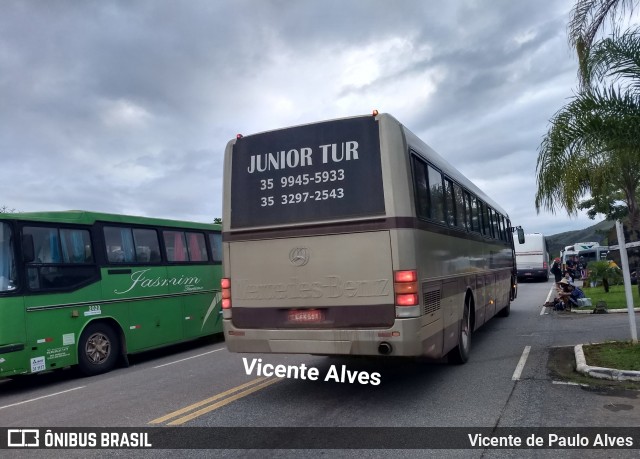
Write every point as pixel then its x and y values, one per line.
pixel 89 288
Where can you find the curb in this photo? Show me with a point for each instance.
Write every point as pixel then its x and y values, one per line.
pixel 602 373
pixel 609 311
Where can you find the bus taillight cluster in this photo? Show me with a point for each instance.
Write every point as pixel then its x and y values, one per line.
pixel 405 287
pixel 225 283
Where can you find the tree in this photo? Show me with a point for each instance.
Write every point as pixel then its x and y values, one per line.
pixel 6 210
pixel 616 58
pixel 593 145
pixel 587 19
pixel 605 272
pixel 605 205
pixel 217 221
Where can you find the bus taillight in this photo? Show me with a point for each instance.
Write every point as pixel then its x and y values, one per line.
pixel 407 300
pixel 405 276
pixel 225 283
pixel 405 288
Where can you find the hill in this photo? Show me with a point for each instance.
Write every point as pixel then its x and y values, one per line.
pixel 596 233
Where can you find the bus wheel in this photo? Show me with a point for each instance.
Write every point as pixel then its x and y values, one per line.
pixel 98 349
pixel 460 353
pixel 504 312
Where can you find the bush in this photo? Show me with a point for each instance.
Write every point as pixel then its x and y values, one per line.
pixel 605 272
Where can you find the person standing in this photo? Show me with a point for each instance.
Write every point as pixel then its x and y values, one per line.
pixel 572 263
pixel 556 270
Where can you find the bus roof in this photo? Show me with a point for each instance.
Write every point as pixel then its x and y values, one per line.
pixel 88 218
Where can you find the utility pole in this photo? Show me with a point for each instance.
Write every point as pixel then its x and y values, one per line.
pixel 624 260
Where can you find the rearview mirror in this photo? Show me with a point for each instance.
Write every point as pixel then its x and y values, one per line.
pixel 520 235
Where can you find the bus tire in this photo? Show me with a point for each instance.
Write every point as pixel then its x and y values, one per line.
pixel 504 312
pixel 98 349
pixel 460 354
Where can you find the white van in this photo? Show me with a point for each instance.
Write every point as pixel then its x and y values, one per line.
pixel 532 258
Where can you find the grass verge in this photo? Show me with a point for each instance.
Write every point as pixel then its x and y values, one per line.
pixel 615 299
pixel 615 354
pixel 562 367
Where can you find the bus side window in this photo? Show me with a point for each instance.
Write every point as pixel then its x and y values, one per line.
pixel 450 202
pixel 476 221
pixel 436 195
pixel 119 244
pixel 495 230
pixel 215 240
pixel 147 245
pixel 460 203
pixel 46 244
pixel 176 246
pixel 8 274
pixel 63 258
pixel 420 185
pixel 503 229
pixel 197 247
pixel 486 223
pixel 468 212
pixel 76 246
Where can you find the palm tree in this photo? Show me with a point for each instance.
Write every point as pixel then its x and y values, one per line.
pixel 593 144
pixel 587 19
pixel 618 58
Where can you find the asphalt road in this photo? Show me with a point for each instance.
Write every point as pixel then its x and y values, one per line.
pixel 506 383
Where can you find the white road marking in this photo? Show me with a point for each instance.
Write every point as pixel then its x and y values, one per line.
pixel 40 398
pixel 520 367
pixel 546 310
pixel 188 358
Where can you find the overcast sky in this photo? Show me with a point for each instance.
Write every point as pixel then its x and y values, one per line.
pixel 127 106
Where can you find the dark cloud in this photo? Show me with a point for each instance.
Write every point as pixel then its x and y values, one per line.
pixel 127 106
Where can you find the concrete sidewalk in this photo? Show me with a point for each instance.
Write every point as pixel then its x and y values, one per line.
pixel 598 372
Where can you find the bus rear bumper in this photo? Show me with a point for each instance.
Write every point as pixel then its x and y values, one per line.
pixel 533 274
pixel 407 337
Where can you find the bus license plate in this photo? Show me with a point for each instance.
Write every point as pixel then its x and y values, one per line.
pixel 306 316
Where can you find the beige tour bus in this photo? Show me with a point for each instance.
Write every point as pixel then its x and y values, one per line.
pixel 353 237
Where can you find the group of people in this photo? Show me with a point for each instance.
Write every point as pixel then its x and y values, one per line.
pixel 568 294
pixel 576 268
